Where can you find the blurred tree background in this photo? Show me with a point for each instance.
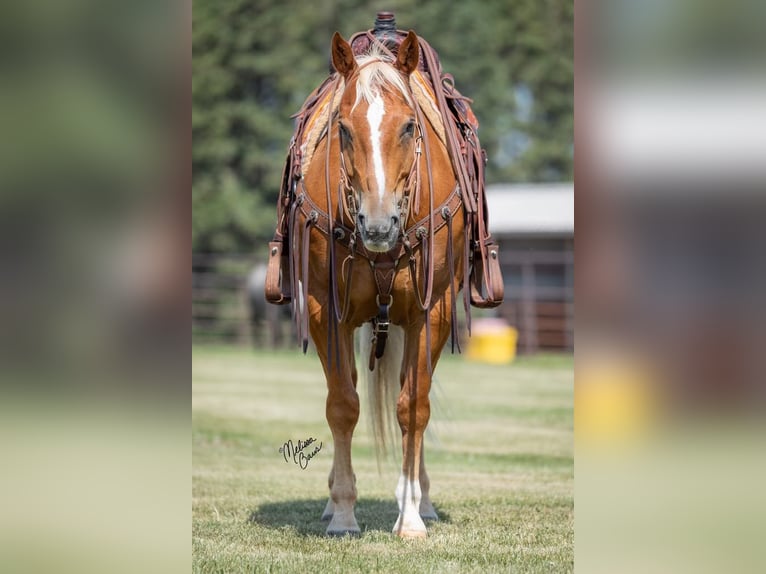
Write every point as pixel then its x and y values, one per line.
pixel 255 61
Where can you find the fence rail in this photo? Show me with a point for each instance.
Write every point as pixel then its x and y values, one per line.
pixel 228 303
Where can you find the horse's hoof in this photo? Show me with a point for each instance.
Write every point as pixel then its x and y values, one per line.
pixel 329 510
pixel 343 524
pixel 412 534
pixel 342 533
pixel 411 527
pixel 427 511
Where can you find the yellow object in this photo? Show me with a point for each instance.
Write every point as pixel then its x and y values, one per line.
pixel 615 401
pixel 492 341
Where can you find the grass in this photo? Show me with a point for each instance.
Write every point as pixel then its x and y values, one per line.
pixel 500 458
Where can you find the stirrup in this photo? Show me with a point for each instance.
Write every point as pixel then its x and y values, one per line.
pixel 487 296
pixel 278 275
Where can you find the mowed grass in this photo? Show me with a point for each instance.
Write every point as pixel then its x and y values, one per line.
pixel 500 458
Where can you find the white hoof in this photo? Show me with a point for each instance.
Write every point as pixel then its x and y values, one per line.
pixel 410 527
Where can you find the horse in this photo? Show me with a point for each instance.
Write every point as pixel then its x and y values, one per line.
pixel 377 227
pixel 267 323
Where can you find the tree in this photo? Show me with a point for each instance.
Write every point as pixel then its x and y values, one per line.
pixel 514 58
pixel 255 61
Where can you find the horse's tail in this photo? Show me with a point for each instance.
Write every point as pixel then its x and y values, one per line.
pixel 382 387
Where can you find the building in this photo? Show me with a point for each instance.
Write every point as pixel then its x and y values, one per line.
pixel 534 225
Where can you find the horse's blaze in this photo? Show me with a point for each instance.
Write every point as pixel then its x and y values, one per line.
pixel 375 113
pixel 378 218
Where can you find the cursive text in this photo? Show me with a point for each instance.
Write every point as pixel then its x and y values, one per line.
pixel 298 453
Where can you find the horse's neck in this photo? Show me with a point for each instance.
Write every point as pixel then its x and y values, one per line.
pixel 316 177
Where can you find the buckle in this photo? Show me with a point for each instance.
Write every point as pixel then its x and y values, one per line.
pixel 382 326
pixel 382 321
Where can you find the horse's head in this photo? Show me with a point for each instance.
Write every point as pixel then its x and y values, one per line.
pixel 378 130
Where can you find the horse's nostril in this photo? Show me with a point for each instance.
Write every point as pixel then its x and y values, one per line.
pixel 395 221
pixel 360 218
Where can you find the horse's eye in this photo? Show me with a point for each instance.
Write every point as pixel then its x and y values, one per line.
pixel 345 135
pixel 409 129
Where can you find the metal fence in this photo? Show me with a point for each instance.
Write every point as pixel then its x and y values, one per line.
pixel 228 304
pixel 539 298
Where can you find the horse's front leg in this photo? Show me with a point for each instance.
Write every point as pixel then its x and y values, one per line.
pixel 413 411
pixel 342 412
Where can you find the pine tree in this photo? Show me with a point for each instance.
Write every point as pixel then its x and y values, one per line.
pixel 255 61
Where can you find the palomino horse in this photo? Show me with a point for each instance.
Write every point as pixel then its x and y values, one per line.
pixel 375 225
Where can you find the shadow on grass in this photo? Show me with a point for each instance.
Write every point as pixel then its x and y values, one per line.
pixel 372 515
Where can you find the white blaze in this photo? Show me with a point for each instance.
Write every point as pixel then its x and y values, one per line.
pixel 375 113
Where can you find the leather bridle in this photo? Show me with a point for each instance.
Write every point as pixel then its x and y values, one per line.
pixel 348 197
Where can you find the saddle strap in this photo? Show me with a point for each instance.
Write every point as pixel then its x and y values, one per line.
pixel 384 270
pixel 452 285
pixel 451 132
pixel 380 325
pixel 303 302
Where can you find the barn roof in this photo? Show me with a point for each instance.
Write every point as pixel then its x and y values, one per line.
pixel 531 209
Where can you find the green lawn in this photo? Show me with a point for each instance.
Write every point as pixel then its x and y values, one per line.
pixel 500 458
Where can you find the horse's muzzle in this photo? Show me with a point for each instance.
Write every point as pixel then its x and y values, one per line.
pixel 378 234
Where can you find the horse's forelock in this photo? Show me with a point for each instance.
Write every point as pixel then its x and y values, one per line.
pixel 377 74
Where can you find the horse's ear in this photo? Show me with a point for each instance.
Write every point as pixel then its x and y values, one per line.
pixel 409 54
pixel 342 56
